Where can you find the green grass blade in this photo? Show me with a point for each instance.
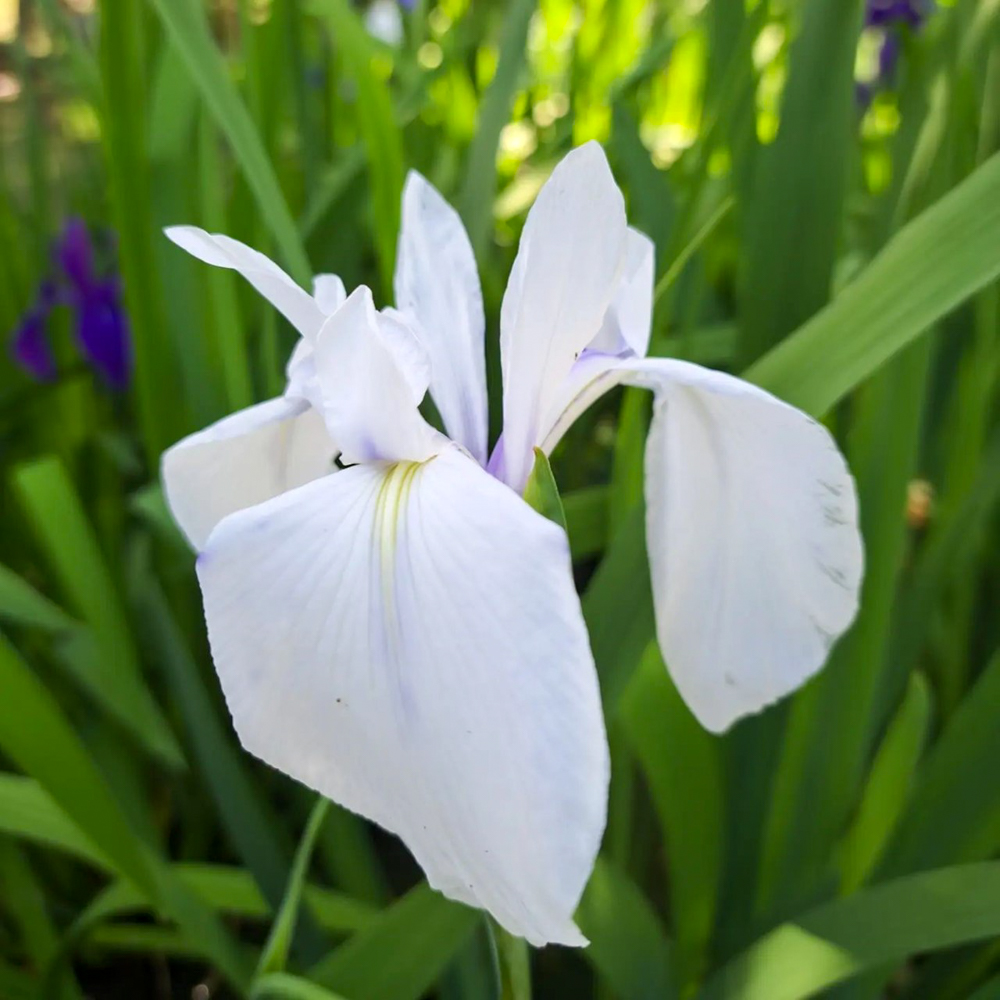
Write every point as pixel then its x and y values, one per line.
pixel 15 984
pixel 282 986
pixel 475 202
pixel 21 604
pixel 888 788
pixel 512 963
pixel 274 956
pixel 377 124
pixel 931 266
pixel 587 520
pixel 234 891
pixel 122 51
pixel 37 737
pixel 795 214
pixel 28 812
pixel 185 23
pixel 541 492
pixel 231 347
pixel 875 927
pixel 58 519
pixel 629 947
pixel 954 812
pixel 948 556
pixel 830 729
pixel 26 904
pixel 683 769
pixel 618 608
pixel 423 931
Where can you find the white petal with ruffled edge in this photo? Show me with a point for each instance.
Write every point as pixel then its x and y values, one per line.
pixel 293 302
pixel 246 458
pixel 437 286
pixel 407 640
pixel 371 374
pixel 752 531
pixel 629 321
pixel 565 275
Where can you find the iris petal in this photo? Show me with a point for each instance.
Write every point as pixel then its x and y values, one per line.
pixel 248 457
pixel 437 287
pixel 752 530
pixel 565 275
pixel 407 640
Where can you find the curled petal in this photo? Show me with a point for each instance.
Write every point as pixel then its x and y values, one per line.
pixel 437 286
pixel 371 381
pixel 752 530
pixel 564 277
pixel 407 640
pixel 329 293
pixel 248 457
pixel 293 302
pixel 629 321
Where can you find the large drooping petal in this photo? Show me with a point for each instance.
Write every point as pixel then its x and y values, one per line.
pixel 371 375
pixel 437 286
pixel 244 459
pixel 293 302
pixel 407 640
pixel 752 532
pixel 565 275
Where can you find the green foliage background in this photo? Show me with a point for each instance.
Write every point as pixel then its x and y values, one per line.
pixel 843 843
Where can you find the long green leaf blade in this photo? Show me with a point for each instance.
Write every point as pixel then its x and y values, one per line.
pixel 185 22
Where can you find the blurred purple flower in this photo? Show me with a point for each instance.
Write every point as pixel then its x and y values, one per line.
pixel 74 253
pixel 890 15
pixel 103 332
pixel 29 347
pixel 102 329
pixel 888 56
pixel 884 13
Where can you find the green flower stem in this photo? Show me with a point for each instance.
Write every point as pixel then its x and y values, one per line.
pixel 513 964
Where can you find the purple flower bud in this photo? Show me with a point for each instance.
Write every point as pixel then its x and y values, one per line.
pixel 884 13
pixel 74 253
pixel 102 330
pixel 29 346
pixel 888 56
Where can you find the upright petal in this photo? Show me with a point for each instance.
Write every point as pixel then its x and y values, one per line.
pixel 248 457
pixel 407 641
pixel 564 277
pixel 438 287
pixel 629 321
pixel 329 293
pixel 293 302
pixel 371 383
pixel 74 253
pixel 752 531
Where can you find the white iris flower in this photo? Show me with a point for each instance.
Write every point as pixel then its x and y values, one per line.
pixel 403 635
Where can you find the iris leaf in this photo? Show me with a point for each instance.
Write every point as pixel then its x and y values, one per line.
pixel 184 21
pixel 886 924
